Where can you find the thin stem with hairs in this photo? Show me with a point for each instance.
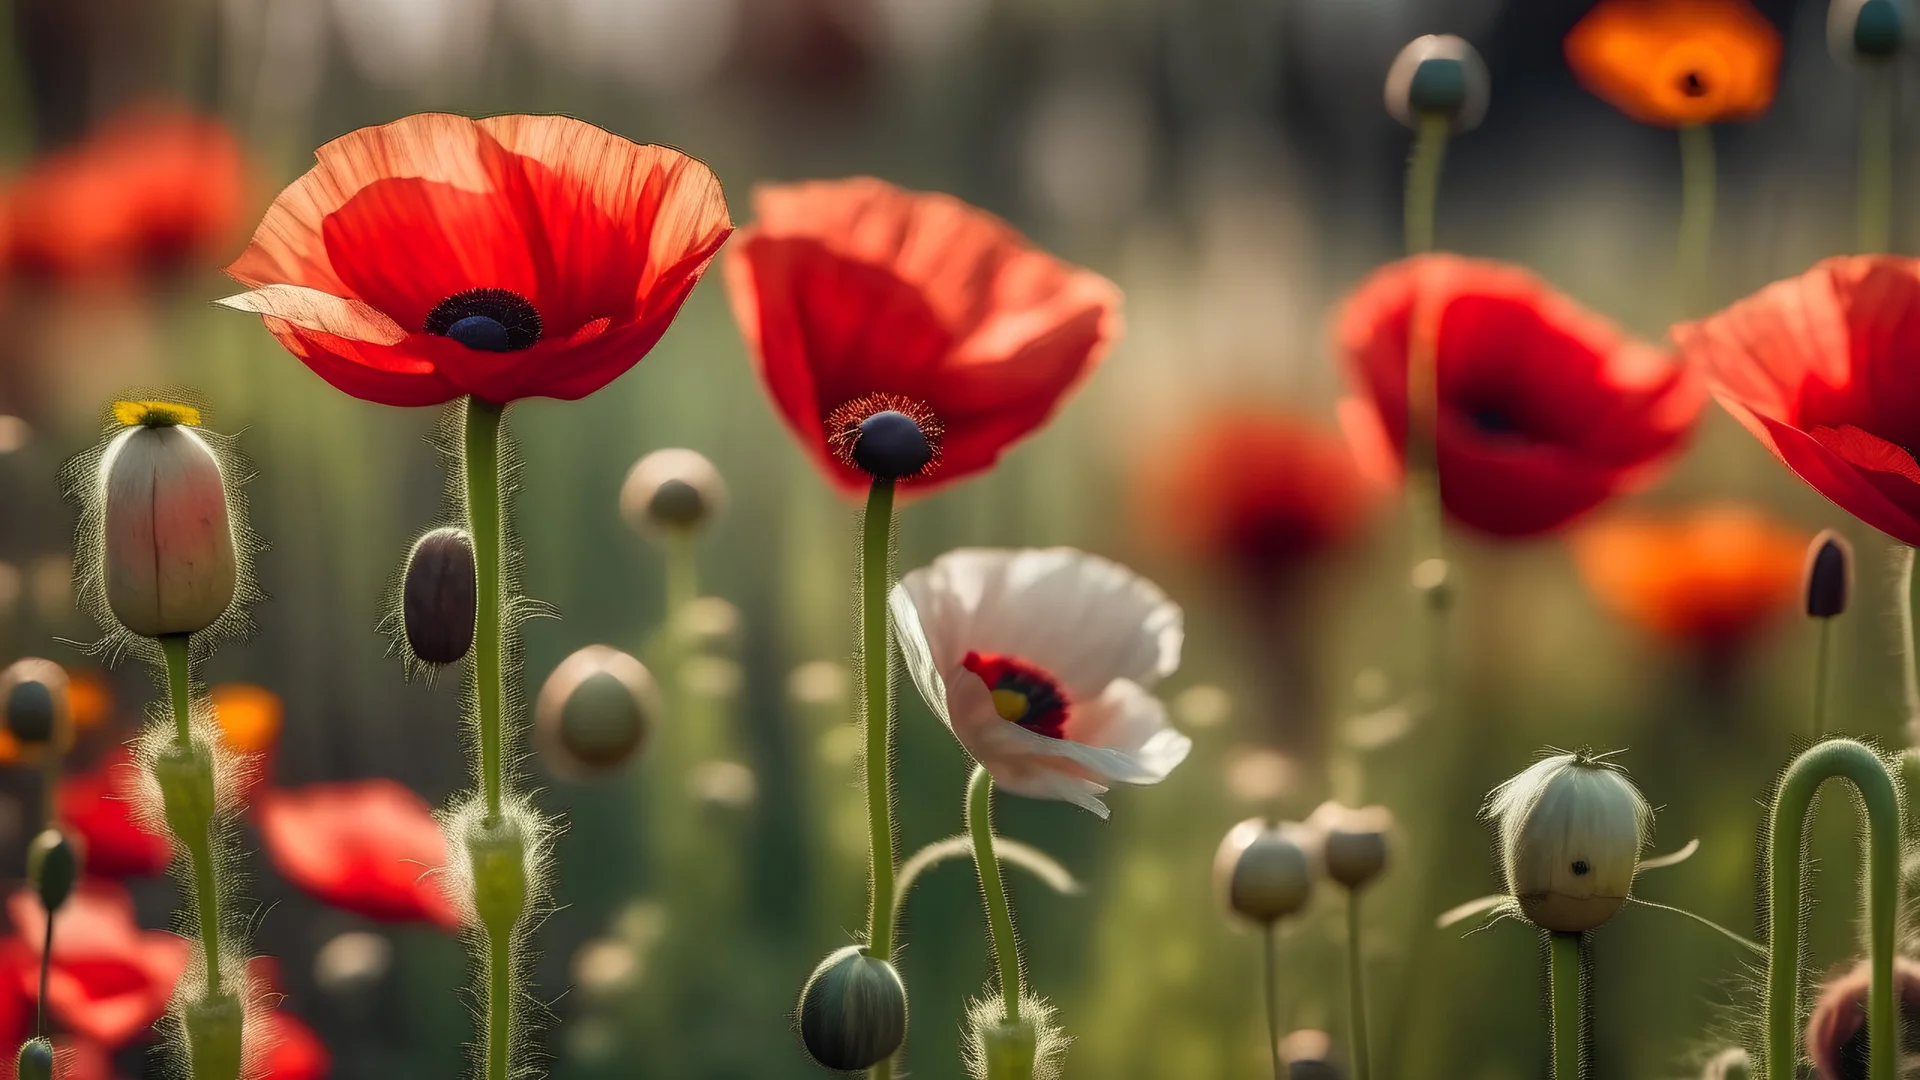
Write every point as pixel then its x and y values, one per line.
pixel 1006 950
pixel 197 840
pixel 1569 992
pixel 876 570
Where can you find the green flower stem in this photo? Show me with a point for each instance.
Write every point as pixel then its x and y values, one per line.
pixel 1423 179
pixel 876 569
pixel 1697 184
pixel 499 1000
pixel 1786 852
pixel 1271 935
pixel 1903 604
pixel 1876 158
pixel 198 842
pixel 1356 992
pixel 1822 677
pixel 483 524
pixel 683 577
pixel 999 914
pixel 46 968
pixel 1569 1003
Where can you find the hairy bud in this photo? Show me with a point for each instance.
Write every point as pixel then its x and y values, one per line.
pixel 36 1059
pixel 1829 575
pixel 497 852
pixel 672 491
pixel 52 866
pixel 169 549
pixel 596 710
pixel 853 1011
pixel 35 703
pixel 1353 843
pixel 1571 830
pixel 439 596
pixel 188 795
pixel 1263 871
pixel 1439 75
pixel 1009 1049
pixel 213 1027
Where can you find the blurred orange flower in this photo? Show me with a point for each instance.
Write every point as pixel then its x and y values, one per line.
pixel 1710 577
pixel 1675 63
pixel 249 716
pixel 89 698
pixel 154 190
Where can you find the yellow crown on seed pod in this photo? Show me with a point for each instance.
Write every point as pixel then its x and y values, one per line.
pixel 155 414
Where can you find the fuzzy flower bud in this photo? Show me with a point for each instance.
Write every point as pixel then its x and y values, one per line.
pixel 35 704
pixel 1262 871
pixel 497 852
pixel 439 595
pixel 187 791
pixel 853 1011
pixel 596 710
pixel 36 1059
pixel 1571 829
pixel 1729 1064
pixel 1439 75
pixel 672 491
pixel 169 549
pixel 52 866
pixel 1829 575
pixel 213 1026
pixel 1869 29
pixel 1008 1049
pixel 1353 843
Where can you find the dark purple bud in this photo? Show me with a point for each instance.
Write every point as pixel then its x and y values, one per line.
pixel 1829 575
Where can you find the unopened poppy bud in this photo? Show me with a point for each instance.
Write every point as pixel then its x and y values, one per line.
pixel 596 710
pixel 1262 871
pixel 187 794
pixel 1439 75
pixel 1353 843
pixel 1309 1056
pixel 170 565
pixel 1829 575
pixel 52 866
pixel 1571 830
pixel 853 1011
pixel 36 1059
pixel 497 852
pixel 1872 29
pixel 213 1036
pixel 1729 1064
pixel 439 595
pixel 33 694
pixel 671 491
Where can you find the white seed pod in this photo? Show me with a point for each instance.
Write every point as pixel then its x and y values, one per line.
pixel 1263 872
pixel 168 541
pixel 1353 843
pixel 1571 830
pixel 672 491
pixel 1439 74
pixel 595 711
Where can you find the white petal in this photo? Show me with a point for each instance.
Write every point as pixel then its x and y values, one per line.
pixel 312 309
pixel 1128 719
pixel 909 633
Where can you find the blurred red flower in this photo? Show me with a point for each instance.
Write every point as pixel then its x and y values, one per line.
pixel 1710 577
pixel 511 257
pixel 1820 369
pixel 98 805
pixel 1837 1029
pixel 1677 62
pixel 291 1049
pixel 365 846
pixel 1546 410
pixel 857 297
pixel 1258 489
pixel 110 979
pixel 155 189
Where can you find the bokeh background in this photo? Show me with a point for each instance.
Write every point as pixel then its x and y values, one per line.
pixel 1229 164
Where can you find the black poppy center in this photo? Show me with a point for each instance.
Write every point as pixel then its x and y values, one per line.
pixel 887 436
pixel 1580 868
pixel 1493 421
pixel 491 320
pixel 1693 84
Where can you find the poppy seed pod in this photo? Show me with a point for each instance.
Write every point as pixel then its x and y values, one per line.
pixel 36 1059
pixel 853 1011
pixel 1309 1056
pixel 1571 830
pixel 1262 871
pixel 169 550
pixel 596 710
pixel 1829 575
pixel 1729 1064
pixel 1439 75
pixel 52 866
pixel 213 1026
pixel 1870 29
pixel 37 711
pixel 672 491
pixel 1009 1048
pixel 438 596
pixel 1353 843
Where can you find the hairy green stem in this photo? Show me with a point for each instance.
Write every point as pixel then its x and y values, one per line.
pixel 483 524
pixel 1697 187
pixel 1847 760
pixel 1356 992
pixel 1423 179
pixel 876 660
pixel 1903 606
pixel 1822 677
pixel 198 842
pixel 499 1001
pixel 999 915
pixel 1876 158
pixel 1569 1003
pixel 1273 999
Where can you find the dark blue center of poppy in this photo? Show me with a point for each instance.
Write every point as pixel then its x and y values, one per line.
pixel 1493 421
pixel 490 320
pixel 891 446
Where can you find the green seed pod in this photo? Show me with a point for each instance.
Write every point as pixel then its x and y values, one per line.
pixel 1009 1049
pixel 187 794
pixel 36 1059
pixel 595 711
pixel 52 867
pixel 213 1025
pixel 34 697
pixel 498 853
pixel 1729 1064
pixel 439 595
pixel 1353 843
pixel 1262 871
pixel 1571 830
pixel 1439 75
pixel 672 492
pixel 1866 29
pixel 169 550
pixel 853 1011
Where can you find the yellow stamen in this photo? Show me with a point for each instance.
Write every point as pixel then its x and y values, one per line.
pixel 1010 704
pixel 155 414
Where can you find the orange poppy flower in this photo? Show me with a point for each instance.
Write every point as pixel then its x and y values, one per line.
pixel 249 716
pixel 1674 63
pixel 89 698
pixel 1708 578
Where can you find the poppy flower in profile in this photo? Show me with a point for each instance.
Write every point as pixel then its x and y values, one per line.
pixel 1674 63
pixel 1819 368
pixel 1710 578
pixel 510 257
pixel 110 979
pixel 154 190
pixel 1837 1029
pixel 1259 490
pixel 366 846
pixel 875 313
pixel 1546 410
pixel 98 806
pixel 1043 665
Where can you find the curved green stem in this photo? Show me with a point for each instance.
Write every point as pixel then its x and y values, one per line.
pixel 198 842
pixel 1356 992
pixel 1423 179
pixel 483 524
pixel 876 570
pixel 1697 187
pixel 1822 676
pixel 1847 760
pixel 1569 1003
pixel 1876 158
pixel 1903 606
pixel 999 914
pixel 1273 1001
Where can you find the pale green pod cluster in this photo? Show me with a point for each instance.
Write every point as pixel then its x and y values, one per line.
pixel 1571 830
pixel 596 711
pixel 672 491
pixel 168 541
pixel 1264 872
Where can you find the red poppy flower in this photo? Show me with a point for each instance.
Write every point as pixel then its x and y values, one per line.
pixel 1259 489
pixel 1819 368
pixel 858 298
pixel 155 189
pixel 1677 62
pixel 1546 410
pixel 110 980
pixel 288 1048
pixel 511 257
pixel 98 805
pixel 367 846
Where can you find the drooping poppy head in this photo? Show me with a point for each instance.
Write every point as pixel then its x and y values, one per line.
pixel 110 979
pixel 154 190
pixel 1545 409
pixel 909 334
pixel 367 846
pixel 1260 491
pixel 1819 368
pixel 511 257
pixel 1710 578
pixel 1674 63
pixel 98 806
pixel 1837 1030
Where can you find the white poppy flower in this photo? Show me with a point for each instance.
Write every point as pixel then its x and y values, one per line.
pixel 1042 662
